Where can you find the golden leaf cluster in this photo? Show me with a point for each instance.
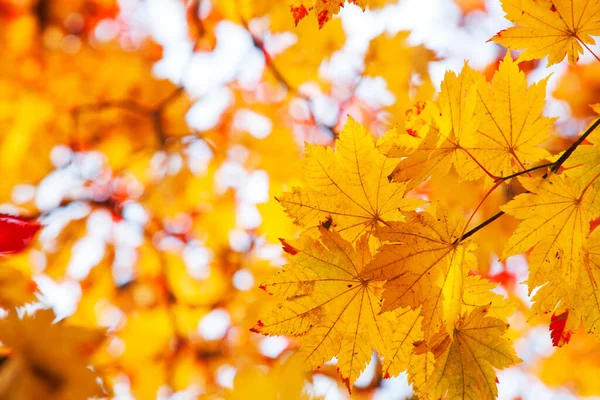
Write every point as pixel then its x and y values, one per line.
pixel 308 229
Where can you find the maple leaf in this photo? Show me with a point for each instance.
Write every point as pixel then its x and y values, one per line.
pixel 396 143
pixel 347 189
pixel 336 312
pixel 452 134
pixel 553 28
pixel 556 217
pixel 55 368
pixel 16 233
pixel 424 265
pixel 560 336
pixel 399 354
pixel 478 292
pixel 587 290
pixel 511 123
pixel 465 362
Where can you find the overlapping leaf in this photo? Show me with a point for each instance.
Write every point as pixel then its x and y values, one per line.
pixel 424 266
pixel 511 125
pixel 556 216
pixel 451 136
pixel 465 362
pixel 348 189
pixel 587 291
pixel 479 129
pixel 553 28
pixel 337 312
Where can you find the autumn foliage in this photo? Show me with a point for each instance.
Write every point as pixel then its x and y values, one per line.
pixel 268 203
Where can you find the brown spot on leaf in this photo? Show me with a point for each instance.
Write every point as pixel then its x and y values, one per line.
pixel 327 223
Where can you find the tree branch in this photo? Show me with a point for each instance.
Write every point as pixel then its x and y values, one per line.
pixel 259 44
pixel 558 163
pixel 554 167
pixel 526 171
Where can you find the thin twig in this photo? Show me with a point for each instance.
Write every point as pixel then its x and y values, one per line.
pixel 481 225
pixel 281 79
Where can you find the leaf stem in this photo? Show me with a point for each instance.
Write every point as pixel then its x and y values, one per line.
pixel 498 183
pixel 488 173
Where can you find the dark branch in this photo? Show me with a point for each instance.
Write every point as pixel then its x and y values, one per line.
pixel 574 146
pixel 554 167
pixel 526 171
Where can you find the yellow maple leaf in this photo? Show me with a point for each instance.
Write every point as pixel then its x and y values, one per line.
pixel 478 292
pixel 337 312
pixel 465 362
pixel 511 123
pixel 53 368
pixel 348 190
pixel 398 143
pixel 425 266
pixel 399 354
pixel 585 296
pixel 553 28
pixel 452 134
pixel 556 215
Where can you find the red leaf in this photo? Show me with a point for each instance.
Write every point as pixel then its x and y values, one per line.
pixel 594 224
pixel 288 248
pixel 298 13
pixel 16 233
pixel 256 328
pixel 559 336
pixel 508 279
